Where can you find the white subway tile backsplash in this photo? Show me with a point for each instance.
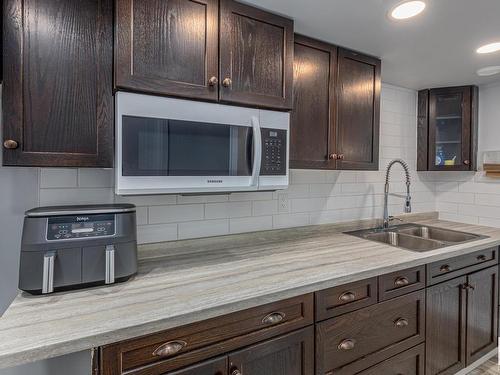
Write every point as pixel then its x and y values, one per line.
pixel 147 200
pixel 58 178
pixel 251 196
pixel 228 210
pixel 156 233
pixel 186 199
pixel 50 197
pixel 175 213
pixel 250 224
pixel 95 178
pixel 306 176
pixel 262 208
pixel 197 229
pixel 142 215
pixel 290 220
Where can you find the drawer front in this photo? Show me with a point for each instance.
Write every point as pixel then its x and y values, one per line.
pixel 353 342
pixel 396 284
pixel 450 268
pixel 345 298
pixel 179 347
pixel 410 362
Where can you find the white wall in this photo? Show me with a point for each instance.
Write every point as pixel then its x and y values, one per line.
pixel 314 197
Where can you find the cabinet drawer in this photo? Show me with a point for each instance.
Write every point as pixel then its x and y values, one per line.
pixel 345 298
pixel 353 342
pixel 396 284
pixel 450 268
pixel 183 346
pixel 410 362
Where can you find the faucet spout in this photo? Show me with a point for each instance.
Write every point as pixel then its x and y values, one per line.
pixel 407 205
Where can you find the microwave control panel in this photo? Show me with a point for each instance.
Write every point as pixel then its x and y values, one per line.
pixel 274 144
pixel 78 227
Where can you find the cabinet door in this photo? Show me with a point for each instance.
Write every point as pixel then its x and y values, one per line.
pixel 57 92
pixel 292 354
pixel 358 111
pixel 256 57
pixel 482 312
pixel 312 135
pixel 445 327
pixel 451 134
pixel 167 47
pixel 216 366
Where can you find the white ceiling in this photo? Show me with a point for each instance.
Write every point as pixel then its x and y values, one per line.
pixel 436 48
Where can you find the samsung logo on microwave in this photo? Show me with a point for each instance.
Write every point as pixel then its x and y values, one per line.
pixel 214 181
pixel 82 218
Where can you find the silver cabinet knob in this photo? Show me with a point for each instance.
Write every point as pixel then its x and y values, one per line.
pixel 347 297
pixel 227 82
pixel 213 81
pixel 401 323
pixel 347 344
pixel 401 281
pixel 169 348
pixel 273 318
pixel 10 144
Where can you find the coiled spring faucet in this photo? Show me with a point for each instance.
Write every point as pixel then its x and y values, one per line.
pixel 407 197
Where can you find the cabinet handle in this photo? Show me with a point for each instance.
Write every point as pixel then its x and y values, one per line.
pixel 332 156
pixel 401 323
pixel 213 81
pixel 481 258
pixel 347 297
pixel 236 372
pixel 340 157
pixel 10 144
pixel 445 268
pixel 273 318
pixel 227 82
pixel 169 348
pixel 401 281
pixel 347 344
pixel 466 162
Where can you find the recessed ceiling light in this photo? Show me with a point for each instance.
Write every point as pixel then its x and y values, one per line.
pixel 488 71
pixel 407 9
pixel 489 48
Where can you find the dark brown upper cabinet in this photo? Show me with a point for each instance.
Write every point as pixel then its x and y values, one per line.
pixel 172 47
pixel 57 92
pixel 168 47
pixel 358 111
pixel 256 56
pixel 336 114
pixel 312 135
pixel 447 129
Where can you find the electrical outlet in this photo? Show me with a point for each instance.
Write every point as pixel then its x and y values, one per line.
pixel 283 202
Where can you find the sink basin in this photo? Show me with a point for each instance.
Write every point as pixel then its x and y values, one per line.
pixel 416 237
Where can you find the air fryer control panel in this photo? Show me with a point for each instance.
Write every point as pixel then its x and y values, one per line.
pixel 274 144
pixel 77 227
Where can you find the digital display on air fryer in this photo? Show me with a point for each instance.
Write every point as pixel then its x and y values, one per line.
pixel 82 226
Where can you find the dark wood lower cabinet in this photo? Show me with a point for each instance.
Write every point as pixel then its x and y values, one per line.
pixel 216 366
pixel 292 354
pixel 410 362
pixel 445 331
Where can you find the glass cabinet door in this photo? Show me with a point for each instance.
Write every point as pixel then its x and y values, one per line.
pixel 449 129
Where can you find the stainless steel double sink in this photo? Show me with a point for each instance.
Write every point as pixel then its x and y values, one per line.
pixel 416 237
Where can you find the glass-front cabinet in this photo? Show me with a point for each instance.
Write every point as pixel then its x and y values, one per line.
pixel 447 129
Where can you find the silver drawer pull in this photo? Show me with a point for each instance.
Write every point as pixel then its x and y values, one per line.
pixel 401 323
pixel 48 272
pixel 347 344
pixel 169 348
pixel 481 258
pixel 401 281
pixel 273 318
pixel 347 297
pixel 445 268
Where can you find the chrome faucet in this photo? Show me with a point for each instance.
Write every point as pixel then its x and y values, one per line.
pixel 407 197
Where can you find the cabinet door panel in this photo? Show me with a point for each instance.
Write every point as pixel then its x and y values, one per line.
pixel 216 366
pixel 482 311
pixel 292 354
pixel 445 327
pixel 57 100
pixel 256 55
pixel 167 47
pixel 358 111
pixel 312 118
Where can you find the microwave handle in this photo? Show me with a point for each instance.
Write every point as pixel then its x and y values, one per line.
pixel 257 151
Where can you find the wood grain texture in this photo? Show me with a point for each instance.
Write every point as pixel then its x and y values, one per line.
pixel 207 339
pixel 482 313
pixel 374 332
pixel 216 366
pixel 57 98
pixel 292 354
pixel 184 282
pixel 256 53
pixel 445 327
pixel 358 110
pixel 410 362
pixel 423 131
pixel 389 285
pixel 167 47
pixel 312 127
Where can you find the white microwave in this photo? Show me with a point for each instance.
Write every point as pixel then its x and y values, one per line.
pixel 175 146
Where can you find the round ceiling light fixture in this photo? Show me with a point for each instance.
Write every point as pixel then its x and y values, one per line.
pixel 488 71
pixel 489 48
pixel 407 9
